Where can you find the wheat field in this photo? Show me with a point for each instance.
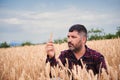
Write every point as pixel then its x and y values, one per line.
pixel 28 63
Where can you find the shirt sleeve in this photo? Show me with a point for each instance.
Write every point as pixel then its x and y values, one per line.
pixel 53 61
pixel 62 57
pixel 100 63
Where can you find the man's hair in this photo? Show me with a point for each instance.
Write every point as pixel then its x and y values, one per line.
pixel 79 28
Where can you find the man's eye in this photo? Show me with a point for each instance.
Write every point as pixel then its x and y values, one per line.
pixel 68 36
pixel 73 37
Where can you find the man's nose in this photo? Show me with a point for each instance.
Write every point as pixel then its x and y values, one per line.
pixel 69 39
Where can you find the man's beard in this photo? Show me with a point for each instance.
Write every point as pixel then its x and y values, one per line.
pixel 75 48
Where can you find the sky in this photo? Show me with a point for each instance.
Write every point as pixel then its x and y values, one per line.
pixel 35 20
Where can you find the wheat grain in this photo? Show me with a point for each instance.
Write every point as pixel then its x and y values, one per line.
pixel 28 63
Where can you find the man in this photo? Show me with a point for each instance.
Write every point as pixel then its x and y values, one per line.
pixel 78 49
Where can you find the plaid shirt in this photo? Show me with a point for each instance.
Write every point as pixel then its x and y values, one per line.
pixel 91 58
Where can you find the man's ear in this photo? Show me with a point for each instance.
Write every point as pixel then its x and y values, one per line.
pixel 84 39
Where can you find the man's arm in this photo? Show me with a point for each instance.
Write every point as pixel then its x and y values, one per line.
pixel 50 53
pixel 61 60
pixel 101 64
pixel 52 61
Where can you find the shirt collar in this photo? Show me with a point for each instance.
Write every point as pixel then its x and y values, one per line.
pixel 86 54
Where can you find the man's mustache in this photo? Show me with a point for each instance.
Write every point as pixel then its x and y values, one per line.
pixel 69 43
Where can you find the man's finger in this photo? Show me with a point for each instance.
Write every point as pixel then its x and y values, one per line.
pixel 51 36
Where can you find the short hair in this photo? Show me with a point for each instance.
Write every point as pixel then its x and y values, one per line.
pixel 79 28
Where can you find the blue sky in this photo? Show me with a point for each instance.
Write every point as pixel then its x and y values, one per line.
pixel 34 20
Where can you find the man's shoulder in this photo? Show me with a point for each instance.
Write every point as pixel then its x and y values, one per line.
pixel 94 53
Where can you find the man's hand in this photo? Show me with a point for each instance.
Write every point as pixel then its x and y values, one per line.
pixel 50 48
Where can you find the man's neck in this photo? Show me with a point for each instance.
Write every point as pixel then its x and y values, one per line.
pixel 79 54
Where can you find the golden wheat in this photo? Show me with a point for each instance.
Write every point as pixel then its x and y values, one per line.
pixel 28 63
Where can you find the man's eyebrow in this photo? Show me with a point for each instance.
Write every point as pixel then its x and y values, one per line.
pixel 67 35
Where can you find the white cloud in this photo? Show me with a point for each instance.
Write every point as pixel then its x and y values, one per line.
pixel 59 18
pixel 11 21
pixel 57 21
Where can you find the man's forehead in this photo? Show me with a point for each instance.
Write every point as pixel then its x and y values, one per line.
pixel 73 32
